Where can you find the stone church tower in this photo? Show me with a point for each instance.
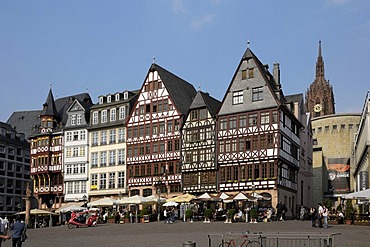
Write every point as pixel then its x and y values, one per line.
pixel 320 95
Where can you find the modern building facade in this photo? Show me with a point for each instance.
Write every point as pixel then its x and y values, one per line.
pixel 361 151
pixel 154 133
pixel 107 153
pixel 258 135
pixel 333 164
pixel 76 151
pixel 199 166
pixel 14 169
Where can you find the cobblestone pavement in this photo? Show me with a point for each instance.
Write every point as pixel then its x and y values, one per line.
pixel 160 234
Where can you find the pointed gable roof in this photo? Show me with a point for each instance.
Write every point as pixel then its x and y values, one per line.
pixel 182 92
pixel 262 78
pixel 49 108
pixel 205 100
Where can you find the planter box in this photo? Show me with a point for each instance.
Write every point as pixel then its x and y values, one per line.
pixel 362 223
pixel 110 220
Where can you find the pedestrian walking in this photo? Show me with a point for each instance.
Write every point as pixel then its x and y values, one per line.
pixel 279 211
pixel 17 229
pixel 313 216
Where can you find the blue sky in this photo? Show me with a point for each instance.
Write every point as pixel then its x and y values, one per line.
pixel 108 46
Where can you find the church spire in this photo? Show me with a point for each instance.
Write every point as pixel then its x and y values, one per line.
pixel 49 108
pixel 320 71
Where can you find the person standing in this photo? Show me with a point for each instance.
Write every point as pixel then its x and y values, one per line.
pixel 325 216
pixel 17 229
pixel 279 211
pixel 2 229
pixel 319 214
pixel 302 213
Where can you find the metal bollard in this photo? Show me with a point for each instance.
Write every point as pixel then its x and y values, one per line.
pixel 189 244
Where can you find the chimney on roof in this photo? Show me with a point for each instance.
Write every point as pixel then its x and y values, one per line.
pixel 276 74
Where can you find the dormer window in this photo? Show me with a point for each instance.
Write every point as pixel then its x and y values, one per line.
pixel 73 120
pixel 109 98
pixel 117 97
pixel 3 132
pixel 101 100
pixel 125 95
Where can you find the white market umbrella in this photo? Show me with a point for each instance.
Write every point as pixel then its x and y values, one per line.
pixel 137 199
pixel 362 194
pixel 104 202
pixel 72 208
pixel 154 199
pixel 170 204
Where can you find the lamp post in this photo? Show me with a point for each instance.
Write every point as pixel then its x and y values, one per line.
pixel 159 200
pixel 84 199
pixel 51 218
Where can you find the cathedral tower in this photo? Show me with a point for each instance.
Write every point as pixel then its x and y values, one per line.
pixel 320 95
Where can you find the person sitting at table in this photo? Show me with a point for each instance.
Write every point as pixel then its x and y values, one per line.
pixel 238 216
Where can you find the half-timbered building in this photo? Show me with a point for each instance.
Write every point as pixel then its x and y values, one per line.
pixel 199 167
pixel 258 136
pixel 47 150
pixel 154 133
pixel 107 132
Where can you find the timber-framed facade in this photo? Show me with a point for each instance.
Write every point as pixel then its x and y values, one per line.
pixel 199 167
pixel 154 133
pixel 258 136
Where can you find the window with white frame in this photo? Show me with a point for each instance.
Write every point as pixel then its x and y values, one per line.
pixel 83 186
pixel 82 168
pixel 121 135
pixel 82 135
pixel 78 119
pixel 265 118
pixel 68 152
pixel 104 116
pixel 109 98
pixel 95 137
pixel 77 187
pixel 112 136
pixel 237 97
pixel 94 179
pixel 103 181
pixel 112 180
pixel 69 169
pixel 103 137
pixel 121 180
pixel 82 151
pixel 112 115
pixel 257 93
pixel 103 158
pixel 69 136
pixel 121 156
pixel 73 120
pixel 112 157
pixel 117 97
pixel 75 169
pixel 94 159
pixel 75 152
pixel 75 135
pixel 122 113
pixel 95 117
pixel 101 100
pixel 69 187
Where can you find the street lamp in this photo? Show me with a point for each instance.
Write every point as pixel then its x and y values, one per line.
pixel 159 200
pixel 51 219
pixel 84 198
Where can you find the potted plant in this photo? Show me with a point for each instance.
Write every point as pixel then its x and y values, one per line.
pixel 253 215
pixel 230 215
pixel 208 215
pixel 143 214
pixel 188 214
